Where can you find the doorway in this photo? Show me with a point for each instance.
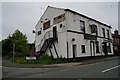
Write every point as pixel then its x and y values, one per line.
pixel 55 32
pixel 105 50
pixel 74 51
pixel 92 48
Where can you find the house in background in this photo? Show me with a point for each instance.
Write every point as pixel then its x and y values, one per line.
pixel 66 33
pixel 116 42
pixel 31 50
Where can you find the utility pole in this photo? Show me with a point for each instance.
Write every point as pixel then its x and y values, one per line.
pixel 13 51
pixel 41 9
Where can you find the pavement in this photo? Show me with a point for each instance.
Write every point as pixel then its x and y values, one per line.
pixel 101 68
pixel 7 63
pixel 105 69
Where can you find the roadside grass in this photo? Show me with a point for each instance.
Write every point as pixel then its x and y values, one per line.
pixel 44 59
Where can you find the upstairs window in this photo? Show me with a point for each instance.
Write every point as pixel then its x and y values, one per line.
pixel 108 34
pixel 82 26
pixel 39 32
pixel 83 48
pixel 103 31
pixel 46 25
pixel 93 28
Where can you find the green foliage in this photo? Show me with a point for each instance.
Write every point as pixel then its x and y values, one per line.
pixel 44 59
pixel 7 48
pixel 0 48
pixel 60 60
pixel 21 55
pixel 19 40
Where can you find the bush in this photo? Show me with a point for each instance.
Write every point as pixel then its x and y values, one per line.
pixel 44 59
pixel 20 55
pixel 60 60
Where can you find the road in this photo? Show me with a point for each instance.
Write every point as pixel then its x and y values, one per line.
pixel 104 69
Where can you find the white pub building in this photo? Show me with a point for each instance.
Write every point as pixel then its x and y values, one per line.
pixel 69 34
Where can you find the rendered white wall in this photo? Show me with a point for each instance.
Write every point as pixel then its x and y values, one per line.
pixel 71 22
pixel 49 14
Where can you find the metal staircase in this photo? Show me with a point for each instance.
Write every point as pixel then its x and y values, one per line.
pixel 47 41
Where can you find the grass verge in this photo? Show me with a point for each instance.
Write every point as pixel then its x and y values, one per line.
pixel 44 59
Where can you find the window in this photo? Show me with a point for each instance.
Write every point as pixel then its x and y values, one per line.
pixel 46 25
pixel 117 40
pixel 103 31
pixel 116 48
pixel 39 32
pixel 61 25
pixel 93 28
pixel 108 34
pixel 97 47
pixel 82 26
pixel 83 48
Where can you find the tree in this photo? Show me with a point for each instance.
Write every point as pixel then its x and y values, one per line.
pixel 0 48
pixel 19 40
pixel 7 47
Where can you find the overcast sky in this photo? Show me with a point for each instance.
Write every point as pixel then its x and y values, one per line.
pixel 25 15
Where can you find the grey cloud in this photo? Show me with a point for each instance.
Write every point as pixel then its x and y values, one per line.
pixel 24 15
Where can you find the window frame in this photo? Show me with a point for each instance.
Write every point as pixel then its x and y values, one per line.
pixel 39 32
pixel 109 48
pixel 103 31
pixel 108 34
pixel 83 49
pixel 82 28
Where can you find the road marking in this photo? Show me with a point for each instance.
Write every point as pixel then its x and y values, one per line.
pixel 91 64
pixel 113 58
pixel 23 68
pixel 110 69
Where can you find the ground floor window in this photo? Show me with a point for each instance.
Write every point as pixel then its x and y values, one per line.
pixel 116 48
pixel 109 47
pixel 83 48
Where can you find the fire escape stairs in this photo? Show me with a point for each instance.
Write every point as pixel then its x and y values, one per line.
pixel 48 42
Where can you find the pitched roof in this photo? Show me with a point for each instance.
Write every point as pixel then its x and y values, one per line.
pixel 87 17
pixel 80 15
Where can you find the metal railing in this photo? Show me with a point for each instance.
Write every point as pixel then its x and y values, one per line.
pixel 47 35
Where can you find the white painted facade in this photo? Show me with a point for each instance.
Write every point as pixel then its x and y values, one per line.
pixel 71 30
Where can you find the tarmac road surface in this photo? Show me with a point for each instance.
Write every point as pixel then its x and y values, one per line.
pixel 104 69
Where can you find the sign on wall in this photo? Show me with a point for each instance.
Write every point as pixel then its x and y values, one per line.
pixel 46 25
pixel 59 19
pixel 90 37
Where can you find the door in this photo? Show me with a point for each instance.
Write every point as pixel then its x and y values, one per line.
pixel 92 48
pixel 105 50
pixel 55 32
pixel 74 51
